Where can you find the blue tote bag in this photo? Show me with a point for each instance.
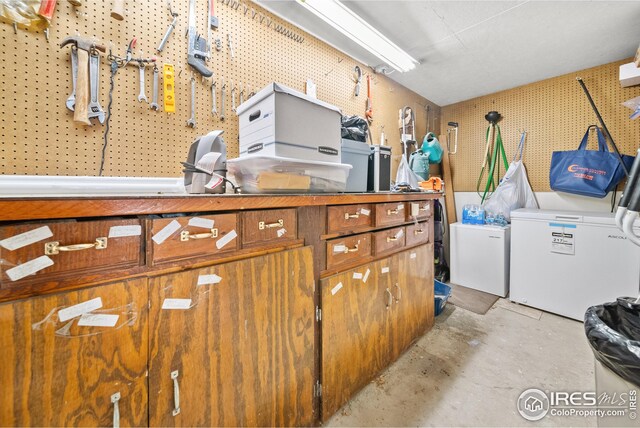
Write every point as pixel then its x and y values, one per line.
pixel 584 172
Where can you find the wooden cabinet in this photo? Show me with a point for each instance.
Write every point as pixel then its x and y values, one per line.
pixel 370 315
pixel 63 369
pixel 266 227
pixel 240 345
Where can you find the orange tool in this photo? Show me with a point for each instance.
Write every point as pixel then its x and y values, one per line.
pixel 47 7
pixel 369 112
pixel 434 184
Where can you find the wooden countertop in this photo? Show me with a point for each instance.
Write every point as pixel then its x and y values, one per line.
pixel 38 208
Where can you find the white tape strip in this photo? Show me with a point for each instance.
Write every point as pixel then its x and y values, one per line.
pixel 98 320
pixel 209 279
pixel 205 223
pixel 180 304
pixel 400 206
pixel 335 289
pixel 339 248
pixel 281 232
pixel 365 211
pixel 26 238
pixel 400 234
pixel 29 268
pixel 413 255
pixel 385 269
pixel 366 276
pixel 122 231
pixel 79 309
pixel 357 275
pixel 226 239
pixel 166 232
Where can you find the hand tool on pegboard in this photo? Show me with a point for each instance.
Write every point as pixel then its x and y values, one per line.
pixel 192 120
pixel 357 79
pixel 47 7
pixel 142 96
pixel 369 111
pixel 156 88
pixel 95 109
pixel 214 102
pixel 71 100
pixel 84 48
pixel 223 96
pixel 172 26
pixel 117 12
pixel 169 88
pixel 197 46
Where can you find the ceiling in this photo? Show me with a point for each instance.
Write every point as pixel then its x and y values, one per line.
pixel 471 48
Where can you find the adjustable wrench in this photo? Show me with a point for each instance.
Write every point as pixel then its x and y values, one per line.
pixel 214 101
pixel 71 101
pixel 154 103
pixel 95 110
pixel 142 96
pixel 192 120
pixel 223 96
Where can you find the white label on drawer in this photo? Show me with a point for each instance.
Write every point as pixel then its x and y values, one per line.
pixel 176 304
pixel 385 269
pixel 357 275
pixel 122 231
pixel 400 206
pixel 226 239
pixel 366 275
pixel 413 255
pixel 281 232
pixel 98 320
pixel 205 223
pixel 415 209
pixel 335 289
pixel 209 279
pixel 339 248
pixel 365 211
pixel 79 309
pixel 29 268
pixel 26 238
pixel 400 234
pixel 166 232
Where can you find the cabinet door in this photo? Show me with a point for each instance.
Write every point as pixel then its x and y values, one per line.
pixel 238 348
pixel 61 368
pixel 412 286
pixel 355 333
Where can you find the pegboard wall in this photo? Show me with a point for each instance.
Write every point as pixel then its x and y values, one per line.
pixel 554 112
pixel 39 136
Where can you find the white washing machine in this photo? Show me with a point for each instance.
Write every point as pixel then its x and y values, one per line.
pixel 566 261
pixel 480 257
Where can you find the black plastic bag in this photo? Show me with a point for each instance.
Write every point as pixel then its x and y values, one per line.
pixel 613 331
pixel 355 128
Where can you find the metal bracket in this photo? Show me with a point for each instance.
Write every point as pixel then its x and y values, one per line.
pixel 318 314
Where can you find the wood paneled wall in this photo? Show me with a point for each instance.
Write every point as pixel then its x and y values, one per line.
pixel 554 112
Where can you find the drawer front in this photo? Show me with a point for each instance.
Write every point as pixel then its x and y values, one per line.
pixel 421 210
pixel 195 236
pixel 33 252
pixel 390 240
pixel 418 234
pixel 349 217
pixel 268 226
pixel 343 250
pixel 390 213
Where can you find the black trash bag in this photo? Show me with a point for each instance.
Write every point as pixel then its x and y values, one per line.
pixel 613 331
pixel 355 128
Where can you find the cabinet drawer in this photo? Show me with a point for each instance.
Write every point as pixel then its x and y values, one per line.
pixel 388 241
pixel 417 234
pixel 419 209
pixel 344 250
pixel 44 251
pixel 187 237
pixel 348 217
pixel 390 213
pixel 268 226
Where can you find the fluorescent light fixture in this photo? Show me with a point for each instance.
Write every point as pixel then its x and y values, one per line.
pixel 340 17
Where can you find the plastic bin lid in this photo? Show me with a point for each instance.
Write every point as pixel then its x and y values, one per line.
pixel 356 147
pixel 591 217
pixel 276 87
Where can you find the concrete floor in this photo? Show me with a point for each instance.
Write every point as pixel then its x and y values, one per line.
pixel 470 369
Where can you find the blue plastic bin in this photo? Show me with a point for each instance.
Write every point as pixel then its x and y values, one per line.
pixel 441 293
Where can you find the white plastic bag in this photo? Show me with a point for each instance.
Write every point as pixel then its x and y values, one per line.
pixel 513 192
pixel 406 176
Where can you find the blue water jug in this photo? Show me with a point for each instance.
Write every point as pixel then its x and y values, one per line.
pixel 431 147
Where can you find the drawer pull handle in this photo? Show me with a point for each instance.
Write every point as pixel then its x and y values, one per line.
pixel 399 294
pixel 176 393
pixel 390 298
pixel 423 209
pixel 351 250
pixel 396 211
pixel 392 238
pixel 52 248
pixel 116 410
pixel 418 231
pixel 262 225
pixel 185 235
pixel 347 216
